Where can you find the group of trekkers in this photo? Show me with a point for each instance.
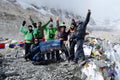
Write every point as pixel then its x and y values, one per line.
pixel 35 35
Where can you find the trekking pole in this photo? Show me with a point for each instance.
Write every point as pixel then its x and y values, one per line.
pixel 16 52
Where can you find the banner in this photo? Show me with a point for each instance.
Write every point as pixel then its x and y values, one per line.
pixel 12 45
pixel 50 45
pixel 2 45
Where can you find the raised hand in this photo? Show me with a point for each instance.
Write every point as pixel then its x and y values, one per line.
pixel 51 20
pixel 29 16
pixel 24 22
pixel 89 10
pixel 57 18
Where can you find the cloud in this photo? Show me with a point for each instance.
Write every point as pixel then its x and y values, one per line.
pixel 101 9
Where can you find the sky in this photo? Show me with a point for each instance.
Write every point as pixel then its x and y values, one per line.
pixel 101 9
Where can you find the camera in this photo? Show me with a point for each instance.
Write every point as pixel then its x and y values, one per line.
pixel 51 35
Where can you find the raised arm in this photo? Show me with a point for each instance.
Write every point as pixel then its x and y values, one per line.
pixel 87 18
pixel 73 22
pixel 51 20
pixel 22 29
pixel 32 21
pixel 57 23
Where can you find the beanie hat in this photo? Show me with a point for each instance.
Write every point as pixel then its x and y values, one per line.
pixel 51 25
pixel 30 26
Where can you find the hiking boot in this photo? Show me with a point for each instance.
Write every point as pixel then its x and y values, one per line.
pixel 60 59
pixel 73 63
pixel 27 60
pixel 53 60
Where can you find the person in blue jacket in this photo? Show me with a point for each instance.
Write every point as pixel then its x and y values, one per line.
pixel 79 37
pixel 35 51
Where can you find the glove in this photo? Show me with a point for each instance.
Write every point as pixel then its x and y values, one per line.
pixel 24 22
pixel 51 20
pixel 35 25
pixel 89 11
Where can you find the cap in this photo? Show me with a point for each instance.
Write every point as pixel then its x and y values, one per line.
pixel 51 25
pixel 62 26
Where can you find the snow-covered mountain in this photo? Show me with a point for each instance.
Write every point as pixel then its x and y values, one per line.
pixel 46 10
pixel 108 24
pixel 13 12
pixel 102 24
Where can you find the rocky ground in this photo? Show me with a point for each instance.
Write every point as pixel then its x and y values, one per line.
pixel 19 69
pixel 16 68
pixel 112 36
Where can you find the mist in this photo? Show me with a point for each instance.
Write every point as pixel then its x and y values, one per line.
pixel 101 9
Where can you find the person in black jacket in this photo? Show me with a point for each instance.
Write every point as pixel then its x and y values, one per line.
pixel 71 32
pixel 79 37
pixel 35 51
pixel 62 35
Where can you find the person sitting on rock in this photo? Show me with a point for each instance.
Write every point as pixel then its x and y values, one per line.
pixel 35 51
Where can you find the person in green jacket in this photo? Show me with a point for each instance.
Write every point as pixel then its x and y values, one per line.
pixel 40 28
pixel 29 37
pixel 50 32
pixel 50 35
